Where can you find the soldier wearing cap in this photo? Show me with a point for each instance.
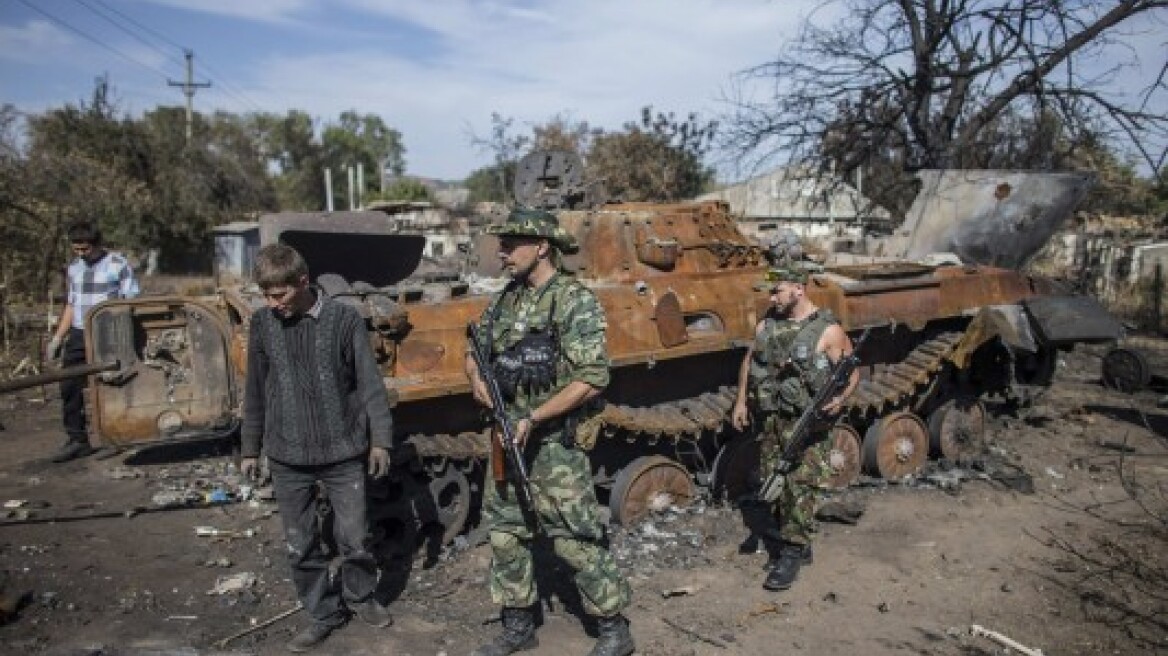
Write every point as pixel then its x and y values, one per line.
pixel 794 349
pixel 547 346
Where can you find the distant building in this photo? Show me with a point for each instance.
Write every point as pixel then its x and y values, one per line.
pixel 454 195
pixel 443 232
pixel 826 213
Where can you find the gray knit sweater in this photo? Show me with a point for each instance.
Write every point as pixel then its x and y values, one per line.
pixel 314 394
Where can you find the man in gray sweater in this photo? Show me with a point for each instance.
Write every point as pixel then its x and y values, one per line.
pixel 315 404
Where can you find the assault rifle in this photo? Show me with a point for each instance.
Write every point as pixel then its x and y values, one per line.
pixel 503 444
pixel 801 434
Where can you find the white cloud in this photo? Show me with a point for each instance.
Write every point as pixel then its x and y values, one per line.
pixel 265 11
pixel 33 41
pixel 598 61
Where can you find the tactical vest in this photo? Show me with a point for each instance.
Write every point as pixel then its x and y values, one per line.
pixel 529 365
pixel 785 369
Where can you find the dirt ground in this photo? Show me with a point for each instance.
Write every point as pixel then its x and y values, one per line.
pixel 1075 566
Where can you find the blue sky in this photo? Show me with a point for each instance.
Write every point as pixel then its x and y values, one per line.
pixel 433 69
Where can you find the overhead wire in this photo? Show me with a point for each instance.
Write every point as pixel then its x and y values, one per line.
pixel 133 34
pixel 93 39
pixel 230 89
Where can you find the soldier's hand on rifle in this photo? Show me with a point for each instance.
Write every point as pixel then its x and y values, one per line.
pixel 378 462
pixel 250 468
pixel 740 416
pixel 481 394
pixel 522 430
pixel 53 349
pixel 833 406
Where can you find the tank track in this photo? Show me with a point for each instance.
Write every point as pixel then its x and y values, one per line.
pixel 682 419
pixel 894 386
pixel 677 420
pixel 463 446
pixel 898 384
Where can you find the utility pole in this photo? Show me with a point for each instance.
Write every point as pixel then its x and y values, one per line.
pixel 189 87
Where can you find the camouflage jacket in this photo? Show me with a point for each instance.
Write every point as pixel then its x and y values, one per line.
pixel 578 319
pixel 785 369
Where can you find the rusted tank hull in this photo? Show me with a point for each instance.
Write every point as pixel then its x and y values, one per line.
pixel 679 287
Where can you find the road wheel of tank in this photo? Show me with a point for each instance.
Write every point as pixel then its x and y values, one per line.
pixel 844 456
pixel 957 428
pixel 450 495
pixel 390 511
pixel 1126 370
pixel 647 484
pixel 895 446
pixel 735 467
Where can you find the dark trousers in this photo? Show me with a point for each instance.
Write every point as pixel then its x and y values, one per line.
pixel 73 389
pixel 296 496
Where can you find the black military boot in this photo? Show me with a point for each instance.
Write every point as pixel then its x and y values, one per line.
pixel 518 634
pixel 807 557
pixel 614 638
pixel 786 569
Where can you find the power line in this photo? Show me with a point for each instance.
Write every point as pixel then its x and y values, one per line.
pixel 227 87
pixel 92 39
pixel 125 29
pixel 140 26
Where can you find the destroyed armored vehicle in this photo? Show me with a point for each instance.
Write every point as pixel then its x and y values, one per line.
pixel 677 282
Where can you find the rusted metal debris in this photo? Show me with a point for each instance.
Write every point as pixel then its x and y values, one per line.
pixel 222 644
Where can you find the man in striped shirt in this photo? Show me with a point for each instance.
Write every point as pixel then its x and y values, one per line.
pixel 95 275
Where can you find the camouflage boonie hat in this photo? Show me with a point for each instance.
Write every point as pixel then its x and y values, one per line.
pixel 525 222
pixel 773 277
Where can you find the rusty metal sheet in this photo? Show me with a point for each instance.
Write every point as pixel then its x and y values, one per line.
pixel 670 322
pixel 179 381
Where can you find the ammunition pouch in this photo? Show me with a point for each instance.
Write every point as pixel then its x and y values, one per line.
pixel 529 366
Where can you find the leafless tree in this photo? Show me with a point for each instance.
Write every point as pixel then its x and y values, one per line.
pixel 905 84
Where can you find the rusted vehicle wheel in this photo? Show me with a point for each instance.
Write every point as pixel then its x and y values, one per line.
pixel 450 493
pixel 957 428
pixel 844 456
pixel 649 483
pixel 1126 370
pixel 896 446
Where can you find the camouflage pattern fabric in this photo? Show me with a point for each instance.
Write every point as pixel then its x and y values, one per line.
pixel 561 476
pixel 525 222
pixel 785 369
pixel 579 320
pixel 795 507
pixel 564 498
pixel 776 275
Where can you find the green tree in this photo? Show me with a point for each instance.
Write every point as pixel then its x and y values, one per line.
pixel 658 159
pixel 407 189
pixel 362 139
pixel 483 184
pixel 506 148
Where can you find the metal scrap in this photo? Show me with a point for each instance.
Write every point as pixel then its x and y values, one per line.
pixel 695 635
pixel 222 644
pixel 977 630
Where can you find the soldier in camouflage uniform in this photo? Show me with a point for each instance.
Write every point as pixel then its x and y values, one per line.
pixel 547 346
pixel 794 350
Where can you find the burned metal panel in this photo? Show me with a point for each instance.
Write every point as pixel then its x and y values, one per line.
pixel 359 246
pixel 997 218
pixel 178 378
pixel 1069 319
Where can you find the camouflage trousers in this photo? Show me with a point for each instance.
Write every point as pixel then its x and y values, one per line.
pixel 561 481
pixel 795 508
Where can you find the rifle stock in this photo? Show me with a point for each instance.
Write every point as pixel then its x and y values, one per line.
pixel 801 434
